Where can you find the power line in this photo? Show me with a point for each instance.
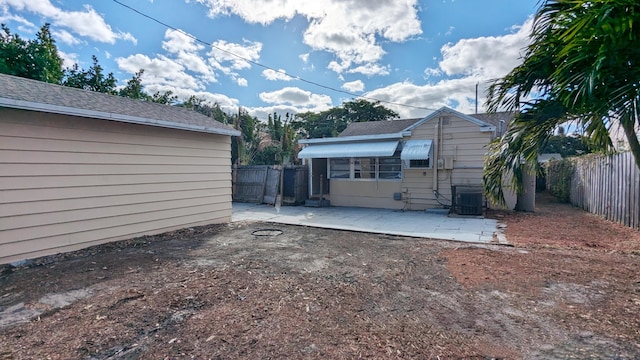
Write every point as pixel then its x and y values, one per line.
pixel 265 66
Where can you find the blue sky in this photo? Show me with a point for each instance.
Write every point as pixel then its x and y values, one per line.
pixel 413 55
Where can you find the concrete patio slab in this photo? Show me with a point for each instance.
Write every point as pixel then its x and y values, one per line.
pixel 382 221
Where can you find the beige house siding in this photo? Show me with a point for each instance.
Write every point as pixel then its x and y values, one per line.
pixel 365 193
pixel 460 140
pixel 68 182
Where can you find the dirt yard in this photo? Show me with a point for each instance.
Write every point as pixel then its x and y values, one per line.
pixel 568 288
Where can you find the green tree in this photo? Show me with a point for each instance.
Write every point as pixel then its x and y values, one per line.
pixel 213 111
pixel 166 98
pixel 583 66
pixel 134 88
pixel 314 125
pixel 278 134
pixel 331 122
pixel 245 147
pixel 572 145
pixel 36 59
pixel 269 155
pixel 92 79
pixel 362 110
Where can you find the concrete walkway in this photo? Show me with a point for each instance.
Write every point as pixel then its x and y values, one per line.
pixel 382 221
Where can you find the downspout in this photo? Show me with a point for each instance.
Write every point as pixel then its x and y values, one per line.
pixel 435 156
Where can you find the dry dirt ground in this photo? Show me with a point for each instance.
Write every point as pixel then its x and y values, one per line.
pixel 569 288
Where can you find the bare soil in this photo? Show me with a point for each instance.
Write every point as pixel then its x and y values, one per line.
pixel 568 288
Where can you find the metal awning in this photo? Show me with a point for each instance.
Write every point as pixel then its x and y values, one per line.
pixel 416 150
pixel 360 149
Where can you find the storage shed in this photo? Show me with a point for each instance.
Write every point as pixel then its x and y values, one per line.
pixel 80 168
pixel 411 164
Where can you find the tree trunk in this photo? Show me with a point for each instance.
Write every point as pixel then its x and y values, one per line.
pixel 629 127
pixel 527 196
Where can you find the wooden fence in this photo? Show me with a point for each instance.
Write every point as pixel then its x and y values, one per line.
pixel 605 185
pixel 261 183
pixel 256 184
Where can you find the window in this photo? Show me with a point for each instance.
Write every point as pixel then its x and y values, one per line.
pixel 371 168
pixel 417 154
pixel 419 163
pixel 390 167
pixel 364 168
pixel 339 168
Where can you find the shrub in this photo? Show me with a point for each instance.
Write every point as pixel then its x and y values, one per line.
pixel 559 175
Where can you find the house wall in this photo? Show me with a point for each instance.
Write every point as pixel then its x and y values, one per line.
pixel 461 141
pixel 67 183
pixel 369 194
pixel 618 137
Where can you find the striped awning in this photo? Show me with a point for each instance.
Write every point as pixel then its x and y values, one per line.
pixel 340 150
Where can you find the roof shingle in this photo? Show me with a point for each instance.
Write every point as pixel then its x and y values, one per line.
pixel 16 91
pixel 396 126
pixel 496 118
pixel 377 127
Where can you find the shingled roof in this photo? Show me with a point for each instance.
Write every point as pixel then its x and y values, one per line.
pixel 369 128
pixel 496 118
pixel 377 127
pixel 27 94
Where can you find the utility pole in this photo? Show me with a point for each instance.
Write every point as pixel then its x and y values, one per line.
pixel 476 98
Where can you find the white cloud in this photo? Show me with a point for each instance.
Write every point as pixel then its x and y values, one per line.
pixel 353 86
pixel 274 75
pixel 464 64
pixel 338 67
pixel 239 56
pixel 65 37
pixel 296 97
pixel 450 31
pixel 229 58
pixel 370 70
pixel 351 30
pixel 423 99
pixel 227 104
pixel 262 112
pixel 7 17
pixel 307 65
pixel 160 71
pixel 185 49
pixel 262 11
pixel 347 43
pixel 487 57
pixel 127 37
pixel 68 59
pixel 177 41
pixel 429 72
pixel 86 23
pixel 186 68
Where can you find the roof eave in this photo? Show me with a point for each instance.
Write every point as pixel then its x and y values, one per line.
pixel 65 110
pixel 355 138
pixel 484 126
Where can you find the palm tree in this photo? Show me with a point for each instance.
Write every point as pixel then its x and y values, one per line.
pixel 582 66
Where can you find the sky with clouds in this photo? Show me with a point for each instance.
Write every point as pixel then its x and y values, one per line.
pixel 292 55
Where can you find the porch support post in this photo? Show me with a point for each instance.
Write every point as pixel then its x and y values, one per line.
pixel 310 175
